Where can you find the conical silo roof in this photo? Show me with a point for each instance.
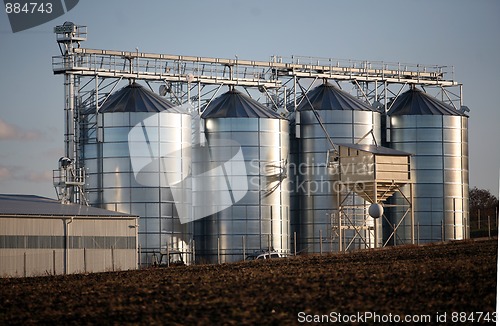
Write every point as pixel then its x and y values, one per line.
pixel 416 102
pixel 135 98
pixel 329 97
pixel 234 104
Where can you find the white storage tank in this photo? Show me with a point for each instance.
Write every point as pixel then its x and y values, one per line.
pixel 127 173
pixel 437 135
pixel 346 120
pixel 250 143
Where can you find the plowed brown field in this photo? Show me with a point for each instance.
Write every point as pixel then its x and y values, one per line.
pixel 427 280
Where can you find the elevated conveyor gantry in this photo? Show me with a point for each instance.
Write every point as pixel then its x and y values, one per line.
pixel 90 75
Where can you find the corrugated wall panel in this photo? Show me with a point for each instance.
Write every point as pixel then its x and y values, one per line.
pixel 261 217
pixel 113 184
pixel 36 246
pixel 440 173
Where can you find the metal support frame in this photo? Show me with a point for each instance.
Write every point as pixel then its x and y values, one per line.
pixel 343 221
pixel 409 212
pixel 90 76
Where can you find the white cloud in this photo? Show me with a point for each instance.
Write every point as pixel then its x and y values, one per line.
pixel 12 132
pixel 21 174
pixel 5 173
pixel 40 177
pixel 54 153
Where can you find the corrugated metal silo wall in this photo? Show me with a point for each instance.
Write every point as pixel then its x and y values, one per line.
pixel 111 183
pixel 261 217
pixel 440 171
pixel 314 199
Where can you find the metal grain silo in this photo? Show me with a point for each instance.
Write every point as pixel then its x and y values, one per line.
pixel 250 143
pixel 437 134
pixel 132 146
pixel 346 120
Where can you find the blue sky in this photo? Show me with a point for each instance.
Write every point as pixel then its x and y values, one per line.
pixel 446 32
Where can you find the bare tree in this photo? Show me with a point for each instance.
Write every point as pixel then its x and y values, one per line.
pixel 482 204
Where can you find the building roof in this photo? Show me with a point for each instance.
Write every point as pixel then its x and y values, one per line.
pixel 32 205
pixel 416 102
pixel 330 97
pixel 235 104
pixel 378 150
pixel 135 98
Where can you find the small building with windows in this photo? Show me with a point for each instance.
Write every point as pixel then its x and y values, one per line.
pixel 40 236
